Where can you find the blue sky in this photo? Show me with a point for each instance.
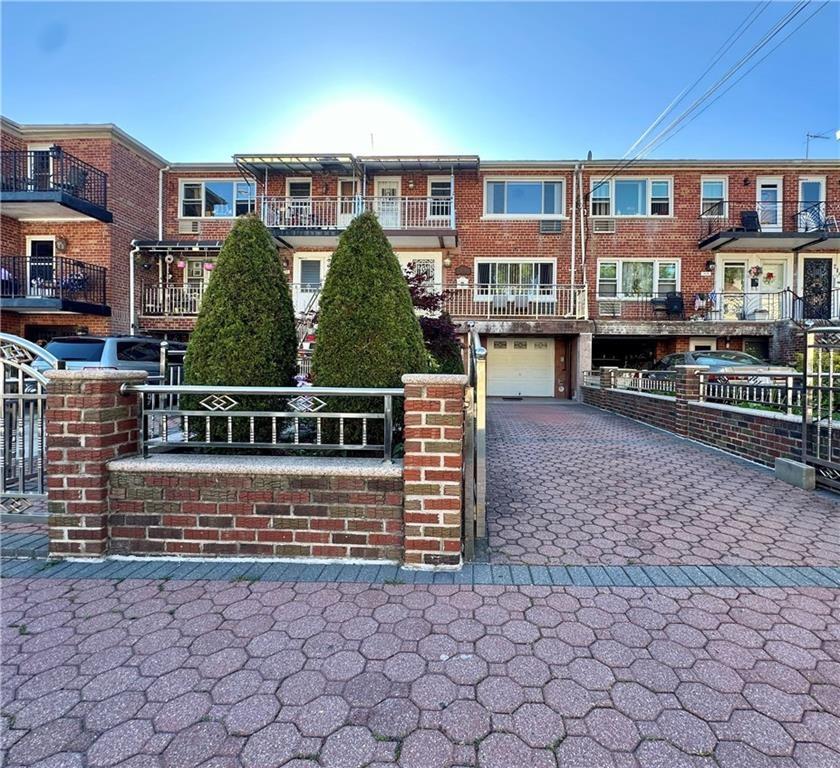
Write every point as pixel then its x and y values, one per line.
pixel 200 81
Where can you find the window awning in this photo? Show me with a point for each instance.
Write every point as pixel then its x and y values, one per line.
pixel 442 163
pixel 299 164
pixel 178 245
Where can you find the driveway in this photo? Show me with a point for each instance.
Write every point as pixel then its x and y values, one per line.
pixel 570 484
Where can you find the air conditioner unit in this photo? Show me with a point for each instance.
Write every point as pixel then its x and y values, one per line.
pixel 603 226
pixel 189 227
pixel 551 227
pixel 609 308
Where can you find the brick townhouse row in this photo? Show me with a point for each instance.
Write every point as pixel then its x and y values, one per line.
pixel 563 266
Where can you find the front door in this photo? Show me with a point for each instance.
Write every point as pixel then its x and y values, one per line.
pixel 811 204
pixel 731 300
pixel 387 206
pixel 816 287
pixel 769 203
pixel 41 268
pixel 347 201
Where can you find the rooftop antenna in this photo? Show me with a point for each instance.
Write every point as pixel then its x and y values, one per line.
pixel 371 141
pixel 823 135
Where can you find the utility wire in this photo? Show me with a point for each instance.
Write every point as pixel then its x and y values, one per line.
pixel 671 127
pixel 736 35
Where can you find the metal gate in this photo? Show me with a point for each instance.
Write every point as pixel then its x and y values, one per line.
pixel 821 411
pixel 23 427
pixel 475 444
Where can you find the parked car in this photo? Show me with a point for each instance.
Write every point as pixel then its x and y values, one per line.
pixel 124 353
pixel 726 365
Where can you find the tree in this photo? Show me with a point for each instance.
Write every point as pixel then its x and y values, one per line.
pixel 245 331
pixel 439 332
pixel 368 334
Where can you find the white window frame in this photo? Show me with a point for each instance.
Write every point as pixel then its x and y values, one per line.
pixel 725 208
pixel 439 179
pixel 650 180
pixel 298 180
pixel 619 261
pixel 477 296
pixel 203 181
pixel 525 216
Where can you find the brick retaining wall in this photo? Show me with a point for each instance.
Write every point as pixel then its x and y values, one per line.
pixel 760 436
pixel 209 506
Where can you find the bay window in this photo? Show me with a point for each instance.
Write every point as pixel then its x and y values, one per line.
pixel 217 199
pixel 631 197
pixel 633 278
pixel 524 198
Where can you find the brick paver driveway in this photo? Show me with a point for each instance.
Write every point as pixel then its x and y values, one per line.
pixel 571 484
pixel 345 669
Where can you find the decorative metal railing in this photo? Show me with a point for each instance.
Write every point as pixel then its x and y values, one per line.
pixel 767 391
pixel 504 300
pixel 717 305
pixel 821 405
pixel 184 299
pixel 266 419
pixel 769 216
pixel 53 170
pixel 54 277
pixel 305 213
pixel 475 444
pixel 592 379
pixel 653 382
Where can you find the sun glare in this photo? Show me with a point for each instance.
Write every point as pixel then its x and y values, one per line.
pixel 361 125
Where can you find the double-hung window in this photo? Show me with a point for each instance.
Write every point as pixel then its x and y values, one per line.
pixel 440 198
pixel 713 197
pixel 526 198
pixel 633 278
pixel 631 197
pixel 217 199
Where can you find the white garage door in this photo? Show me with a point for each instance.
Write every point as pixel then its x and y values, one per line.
pixel 520 367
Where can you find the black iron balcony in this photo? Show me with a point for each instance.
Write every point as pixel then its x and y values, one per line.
pixel 52 183
pixel 52 284
pixel 783 224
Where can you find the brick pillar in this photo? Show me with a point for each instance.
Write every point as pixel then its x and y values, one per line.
pixel 686 389
pixel 88 423
pixel 432 468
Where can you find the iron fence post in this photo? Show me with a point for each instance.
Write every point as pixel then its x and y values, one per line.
pixel 387 438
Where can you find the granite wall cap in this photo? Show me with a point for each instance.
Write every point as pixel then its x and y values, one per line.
pixel 435 379
pixel 96 374
pixel 194 464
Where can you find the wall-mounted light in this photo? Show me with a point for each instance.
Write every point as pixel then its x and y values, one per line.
pixel 411 183
pixel 447 262
pixel 324 190
pixel 60 244
pixel 710 265
pixel 746 181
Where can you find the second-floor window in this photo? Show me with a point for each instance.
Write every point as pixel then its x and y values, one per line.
pixel 631 278
pixel 513 274
pixel 631 197
pixel 713 197
pixel 524 198
pixel 217 199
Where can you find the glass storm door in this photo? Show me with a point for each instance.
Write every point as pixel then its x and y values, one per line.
pixel 731 302
pixel 347 202
pixel 770 204
pixel 388 203
pixel 816 288
pixel 811 204
pixel 310 284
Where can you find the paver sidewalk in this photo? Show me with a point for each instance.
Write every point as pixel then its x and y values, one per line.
pixel 569 484
pixel 214 673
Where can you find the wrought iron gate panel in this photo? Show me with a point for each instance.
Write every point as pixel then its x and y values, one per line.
pixel 23 426
pixel 821 411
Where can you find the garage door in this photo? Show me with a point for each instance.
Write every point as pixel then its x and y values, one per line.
pixel 520 367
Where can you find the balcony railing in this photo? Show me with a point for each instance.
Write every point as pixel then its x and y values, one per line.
pixel 308 213
pixel 511 301
pixel 53 170
pixel 53 277
pixel 769 216
pixel 719 306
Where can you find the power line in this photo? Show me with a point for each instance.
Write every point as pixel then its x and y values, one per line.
pixel 672 127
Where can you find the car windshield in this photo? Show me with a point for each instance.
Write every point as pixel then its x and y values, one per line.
pixel 81 350
pixel 718 359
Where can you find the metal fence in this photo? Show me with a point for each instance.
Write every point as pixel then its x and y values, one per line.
pixel 772 392
pixel 475 445
pixel 653 382
pixel 821 405
pixel 266 419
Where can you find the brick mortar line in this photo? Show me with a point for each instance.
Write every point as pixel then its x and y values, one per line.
pixel 481 574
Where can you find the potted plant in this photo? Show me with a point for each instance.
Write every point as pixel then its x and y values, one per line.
pixel 755 273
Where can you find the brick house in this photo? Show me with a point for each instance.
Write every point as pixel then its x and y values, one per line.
pixel 563 265
pixel 73 198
